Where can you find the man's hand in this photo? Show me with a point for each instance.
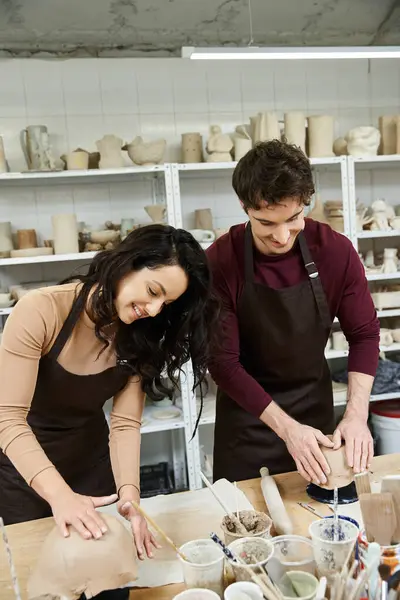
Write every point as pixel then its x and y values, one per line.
pixel 358 442
pixel 303 443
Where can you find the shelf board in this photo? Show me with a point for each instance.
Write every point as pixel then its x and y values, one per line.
pixel 387 160
pixel 5 311
pixel 382 276
pixel 229 166
pixel 153 425
pixel 89 175
pixel 329 354
pixel 27 260
pixel 364 235
pixel 381 314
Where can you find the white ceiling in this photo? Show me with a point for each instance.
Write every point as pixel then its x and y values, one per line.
pixel 161 27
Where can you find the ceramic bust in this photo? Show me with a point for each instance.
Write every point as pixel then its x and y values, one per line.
pixel 219 145
pixel 341 474
pixel 69 567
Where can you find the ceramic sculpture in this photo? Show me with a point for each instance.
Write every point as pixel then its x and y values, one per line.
pixel 36 147
pixel 192 148
pixel 390 134
pixel 110 152
pixel 266 127
pixel 219 145
pixel 146 153
pixel 242 141
pixel 363 141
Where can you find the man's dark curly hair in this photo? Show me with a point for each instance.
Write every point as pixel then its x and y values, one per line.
pixel 272 171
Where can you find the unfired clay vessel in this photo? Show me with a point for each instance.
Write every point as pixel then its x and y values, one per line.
pixel 65 234
pixel 320 136
pixel 156 212
pixel 390 134
pixel 6 241
pixel 192 148
pixel 295 129
pixel 242 141
pixel 36 147
pixel 3 162
pixel 341 474
pixel 146 153
pixel 69 567
pixel 266 127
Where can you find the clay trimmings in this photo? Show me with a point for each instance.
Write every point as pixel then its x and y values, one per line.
pixel 69 567
pixel 254 522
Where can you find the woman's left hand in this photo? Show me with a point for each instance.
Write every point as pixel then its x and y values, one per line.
pixel 144 539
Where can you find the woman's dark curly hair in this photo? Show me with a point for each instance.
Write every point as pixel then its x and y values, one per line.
pixel 184 329
pixel 272 171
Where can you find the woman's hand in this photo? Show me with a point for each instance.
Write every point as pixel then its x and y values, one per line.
pixel 79 511
pixel 144 539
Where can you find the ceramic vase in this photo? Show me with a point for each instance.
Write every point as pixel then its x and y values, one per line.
pixel 390 134
pixel 295 129
pixel 77 161
pixel 156 212
pixel 6 241
pixel 192 148
pixel 266 127
pixel 65 234
pixel 36 147
pixel 320 136
pixel 26 238
pixel 203 219
pixel 3 162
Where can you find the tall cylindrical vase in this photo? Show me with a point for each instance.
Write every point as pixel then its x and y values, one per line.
pixel 65 234
pixel 192 148
pixel 320 136
pixel 295 129
pixel 6 241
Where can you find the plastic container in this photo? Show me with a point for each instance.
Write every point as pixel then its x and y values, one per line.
pixel 291 553
pixel 254 551
pixel 305 585
pixel 385 420
pixel 330 554
pixel 197 594
pixel 262 526
pixel 206 566
pixel 236 590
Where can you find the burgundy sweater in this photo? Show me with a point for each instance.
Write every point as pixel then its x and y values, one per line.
pixel 343 279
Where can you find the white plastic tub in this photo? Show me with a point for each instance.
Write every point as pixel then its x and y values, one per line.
pixel 385 420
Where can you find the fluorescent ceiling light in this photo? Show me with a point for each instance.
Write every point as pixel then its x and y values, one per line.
pixel 287 53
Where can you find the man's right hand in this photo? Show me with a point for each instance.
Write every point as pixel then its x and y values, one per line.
pixel 303 444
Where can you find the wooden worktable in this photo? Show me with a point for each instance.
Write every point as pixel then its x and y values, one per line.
pixel 26 538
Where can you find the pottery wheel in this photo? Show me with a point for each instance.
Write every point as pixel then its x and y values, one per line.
pixel 346 495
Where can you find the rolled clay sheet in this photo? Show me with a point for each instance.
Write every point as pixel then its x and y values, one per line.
pixel 68 567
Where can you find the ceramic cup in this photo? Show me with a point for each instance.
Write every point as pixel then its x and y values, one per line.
pixel 197 594
pixel 206 566
pixel 203 235
pixel 330 554
pixel 291 553
pixel 241 589
pixel 259 550
pixel 305 585
pixel 263 528
pixel 77 161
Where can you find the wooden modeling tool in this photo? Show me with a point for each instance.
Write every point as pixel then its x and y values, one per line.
pixel 11 564
pixel 363 485
pixel 159 530
pixel 391 483
pixel 240 528
pixel 281 520
pixel 379 517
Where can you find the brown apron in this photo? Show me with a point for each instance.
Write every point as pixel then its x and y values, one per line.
pixel 68 421
pixel 283 334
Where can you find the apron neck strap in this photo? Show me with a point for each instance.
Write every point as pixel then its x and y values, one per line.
pixel 309 264
pixel 69 324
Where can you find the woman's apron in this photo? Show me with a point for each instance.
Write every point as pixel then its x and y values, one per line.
pixel 283 334
pixel 67 418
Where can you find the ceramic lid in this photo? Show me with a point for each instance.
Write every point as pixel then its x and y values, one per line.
pixel 387 408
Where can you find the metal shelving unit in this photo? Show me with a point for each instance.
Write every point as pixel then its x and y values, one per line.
pixel 166 188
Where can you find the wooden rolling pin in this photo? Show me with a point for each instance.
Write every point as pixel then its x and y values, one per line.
pixel 282 523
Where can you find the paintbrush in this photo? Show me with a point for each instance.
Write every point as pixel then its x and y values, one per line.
pixel 159 530
pixel 240 528
pixel 13 571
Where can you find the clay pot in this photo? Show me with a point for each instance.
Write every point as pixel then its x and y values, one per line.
pixel 26 238
pixel 341 474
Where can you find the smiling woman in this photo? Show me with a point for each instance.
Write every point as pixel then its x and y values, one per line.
pixel 141 308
